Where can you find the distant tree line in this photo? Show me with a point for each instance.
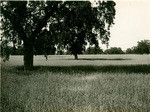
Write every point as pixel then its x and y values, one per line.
pixel 93 50
pixel 143 47
pixel 98 50
pixel 90 50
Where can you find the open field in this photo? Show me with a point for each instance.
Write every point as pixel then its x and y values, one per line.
pixel 94 83
pixel 98 60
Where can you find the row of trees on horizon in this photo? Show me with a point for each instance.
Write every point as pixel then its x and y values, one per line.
pixel 143 47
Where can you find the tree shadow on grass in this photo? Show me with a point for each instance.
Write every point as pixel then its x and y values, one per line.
pixel 145 69
pixel 92 59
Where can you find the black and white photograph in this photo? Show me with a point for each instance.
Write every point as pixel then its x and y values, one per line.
pixel 75 56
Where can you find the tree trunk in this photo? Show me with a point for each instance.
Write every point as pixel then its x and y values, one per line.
pixel 76 56
pixel 89 50
pixel 95 50
pixel 28 55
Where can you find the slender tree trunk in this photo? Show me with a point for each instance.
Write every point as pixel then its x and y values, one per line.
pixel 89 50
pixel 95 50
pixel 28 55
pixel 76 56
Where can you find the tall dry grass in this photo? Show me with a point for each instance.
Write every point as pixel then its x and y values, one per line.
pixel 87 88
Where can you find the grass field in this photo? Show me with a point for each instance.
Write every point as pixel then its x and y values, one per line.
pixel 94 83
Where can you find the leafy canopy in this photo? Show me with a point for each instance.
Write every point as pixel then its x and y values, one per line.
pixel 69 25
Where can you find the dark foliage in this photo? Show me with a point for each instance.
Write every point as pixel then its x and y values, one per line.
pixel 143 47
pixel 93 50
pixel 114 50
pixel 40 26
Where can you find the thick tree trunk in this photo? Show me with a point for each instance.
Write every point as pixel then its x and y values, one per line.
pixel 28 55
pixel 76 56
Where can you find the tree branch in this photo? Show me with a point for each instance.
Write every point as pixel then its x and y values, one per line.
pixel 43 22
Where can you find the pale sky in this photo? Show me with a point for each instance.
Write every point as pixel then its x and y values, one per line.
pixel 132 23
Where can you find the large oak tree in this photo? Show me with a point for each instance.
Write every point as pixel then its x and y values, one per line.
pixel 24 21
pixel 65 24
